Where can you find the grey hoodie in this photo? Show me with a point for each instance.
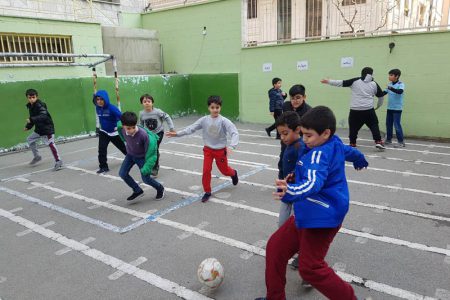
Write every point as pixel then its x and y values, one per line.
pixel 363 91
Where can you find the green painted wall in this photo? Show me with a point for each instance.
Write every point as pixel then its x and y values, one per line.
pixel 130 20
pixel 70 100
pixel 186 50
pixel 423 59
pixel 225 85
pixel 86 38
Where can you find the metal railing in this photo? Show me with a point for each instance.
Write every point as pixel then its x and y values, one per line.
pixel 285 21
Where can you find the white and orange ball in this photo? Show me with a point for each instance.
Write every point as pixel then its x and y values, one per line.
pixel 211 273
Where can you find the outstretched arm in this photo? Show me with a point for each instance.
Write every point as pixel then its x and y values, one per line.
pixel 356 157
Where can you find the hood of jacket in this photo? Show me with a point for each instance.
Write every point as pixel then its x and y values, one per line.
pixel 104 95
pixel 367 78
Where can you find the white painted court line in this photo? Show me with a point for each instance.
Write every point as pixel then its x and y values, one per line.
pixel 380 207
pixel 428 145
pixel 109 260
pixel 200 156
pixel 251 248
pixel 246 254
pixel 62 195
pixel 185 235
pixel 148 212
pixel 68 249
pixel 15 209
pixel 35 187
pixel 28 231
pixel 97 206
pixel 65 154
pixel 379 287
pixel 404 173
pixel 384 239
pixel 116 275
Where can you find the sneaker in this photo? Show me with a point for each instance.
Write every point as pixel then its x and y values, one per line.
pixel 379 145
pixel 294 264
pixel 267 131
pixel 135 195
pixel 387 142
pixel 235 178
pixel 261 298
pixel 35 159
pixel 154 173
pixel 353 145
pixel 58 165
pixel 160 194
pixel 400 145
pixel 102 170
pixel 306 284
pixel 206 197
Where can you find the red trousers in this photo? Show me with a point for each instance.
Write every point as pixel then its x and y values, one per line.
pixel 220 155
pixel 312 245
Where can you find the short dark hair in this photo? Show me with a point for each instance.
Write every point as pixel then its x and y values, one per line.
pixel 297 89
pixel 395 72
pixel 319 118
pixel 31 92
pixel 289 118
pixel 214 99
pixel 148 96
pixel 365 71
pixel 275 80
pixel 129 118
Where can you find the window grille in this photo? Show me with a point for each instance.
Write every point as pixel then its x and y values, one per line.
pixel 31 43
pixel 252 9
pixel 352 2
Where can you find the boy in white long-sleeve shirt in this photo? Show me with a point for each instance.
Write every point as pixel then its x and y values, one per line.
pixel 214 131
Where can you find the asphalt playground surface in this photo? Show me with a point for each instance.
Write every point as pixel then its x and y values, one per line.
pixel 71 234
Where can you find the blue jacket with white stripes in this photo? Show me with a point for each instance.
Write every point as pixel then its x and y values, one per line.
pixel 320 193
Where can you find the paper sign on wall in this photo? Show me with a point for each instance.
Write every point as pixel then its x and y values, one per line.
pixel 302 65
pixel 346 62
pixel 267 67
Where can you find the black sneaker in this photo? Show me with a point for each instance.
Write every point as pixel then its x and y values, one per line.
pixel 135 195
pixel 261 298
pixel 160 194
pixel 235 178
pixel 102 170
pixel 267 131
pixel 206 197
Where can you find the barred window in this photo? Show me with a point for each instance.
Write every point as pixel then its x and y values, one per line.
pixel 252 9
pixel 352 2
pixel 32 43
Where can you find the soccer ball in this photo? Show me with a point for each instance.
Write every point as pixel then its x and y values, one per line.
pixel 210 273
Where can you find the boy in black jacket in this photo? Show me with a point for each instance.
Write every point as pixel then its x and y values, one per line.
pixel 43 128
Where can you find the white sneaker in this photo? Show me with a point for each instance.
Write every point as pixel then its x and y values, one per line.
pixel 58 165
pixel 400 145
pixel 35 160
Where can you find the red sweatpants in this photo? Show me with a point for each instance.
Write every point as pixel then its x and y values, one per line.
pixel 313 244
pixel 220 155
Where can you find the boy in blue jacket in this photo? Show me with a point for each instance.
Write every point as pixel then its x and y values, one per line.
pixel 276 100
pixel 108 115
pixel 321 200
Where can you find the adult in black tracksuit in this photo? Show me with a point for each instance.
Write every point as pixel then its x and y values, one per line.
pixel 297 103
pixel 276 99
pixel 362 111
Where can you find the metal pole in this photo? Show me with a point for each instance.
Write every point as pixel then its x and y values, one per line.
pixel 114 63
pixel 19 54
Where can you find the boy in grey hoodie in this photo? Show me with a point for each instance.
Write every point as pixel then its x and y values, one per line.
pixel 362 110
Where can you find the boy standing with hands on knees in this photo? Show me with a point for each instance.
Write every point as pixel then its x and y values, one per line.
pixel 214 131
pixel 320 198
